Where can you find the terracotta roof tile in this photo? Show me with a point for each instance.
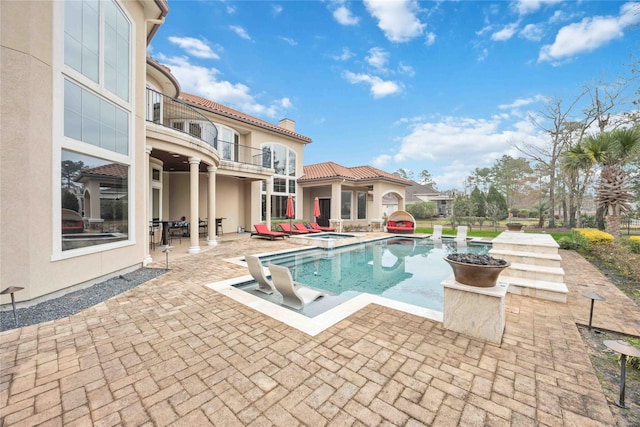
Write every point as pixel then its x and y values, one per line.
pixel 331 170
pixel 217 108
pixel 112 169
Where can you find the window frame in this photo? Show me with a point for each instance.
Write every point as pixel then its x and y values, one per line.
pixel 62 72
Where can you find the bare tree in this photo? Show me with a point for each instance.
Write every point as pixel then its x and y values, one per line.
pixel 552 121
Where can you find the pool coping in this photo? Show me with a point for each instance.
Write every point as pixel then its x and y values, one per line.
pixel 310 325
pixel 314 325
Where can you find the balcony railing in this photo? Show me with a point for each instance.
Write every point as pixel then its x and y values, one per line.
pixel 177 115
pixel 243 154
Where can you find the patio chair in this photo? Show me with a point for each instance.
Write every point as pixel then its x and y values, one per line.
pixel 287 229
pixel 257 272
pixel 461 234
pixel 263 231
pixel 293 295
pixel 302 227
pixel 437 232
pixel 315 226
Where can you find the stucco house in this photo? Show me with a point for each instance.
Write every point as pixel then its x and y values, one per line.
pixel 350 196
pixel 94 128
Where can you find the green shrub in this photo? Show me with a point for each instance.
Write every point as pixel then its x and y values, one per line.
pixel 634 244
pixel 567 243
pixel 634 361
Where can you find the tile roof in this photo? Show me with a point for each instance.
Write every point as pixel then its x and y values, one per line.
pixel 223 110
pixel 111 170
pixel 331 170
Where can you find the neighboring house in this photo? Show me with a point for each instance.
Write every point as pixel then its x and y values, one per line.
pixel 420 193
pixel 94 126
pixel 351 196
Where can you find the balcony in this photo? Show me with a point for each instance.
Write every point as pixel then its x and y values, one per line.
pixel 177 115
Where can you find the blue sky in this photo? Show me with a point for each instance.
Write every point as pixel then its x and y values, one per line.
pixel 446 86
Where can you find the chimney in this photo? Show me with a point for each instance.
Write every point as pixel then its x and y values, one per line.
pixel 288 124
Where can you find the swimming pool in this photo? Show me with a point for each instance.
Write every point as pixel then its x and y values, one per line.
pixel 408 270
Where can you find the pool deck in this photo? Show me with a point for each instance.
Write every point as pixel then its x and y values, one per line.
pixel 174 352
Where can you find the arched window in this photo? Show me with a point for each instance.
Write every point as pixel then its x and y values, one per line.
pixel 228 140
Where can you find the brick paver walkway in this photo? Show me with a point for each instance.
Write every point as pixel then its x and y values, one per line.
pixel 173 352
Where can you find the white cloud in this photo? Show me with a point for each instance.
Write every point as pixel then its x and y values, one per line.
pixel 589 34
pixel 290 41
pixel 345 55
pixel 205 82
pixel 344 16
pixel 231 9
pixel 378 58
pixel 194 47
pixel 482 141
pixel 524 7
pixel 382 160
pixel 406 70
pixel 286 103
pixel 241 32
pixel 532 32
pixel 379 88
pixel 397 19
pixel 277 9
pixel 521 102
pixel 430 39
pixel 505 33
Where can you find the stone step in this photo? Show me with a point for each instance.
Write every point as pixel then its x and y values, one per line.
pixel 531 258
pixel 551 291
pixel 525 247
pixel 536 272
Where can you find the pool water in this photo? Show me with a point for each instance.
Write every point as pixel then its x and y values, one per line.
pixel 403 269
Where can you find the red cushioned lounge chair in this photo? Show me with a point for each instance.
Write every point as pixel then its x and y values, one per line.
pixel 315 226
pixel 287 229
pixel 263 231
pixel 303 227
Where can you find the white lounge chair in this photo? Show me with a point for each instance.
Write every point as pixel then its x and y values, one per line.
pixel 257 271
pixel 461 234
pixel 293 295
pixel 437 232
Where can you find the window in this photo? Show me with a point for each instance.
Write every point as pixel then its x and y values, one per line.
pixel 362 204
pixel 94 199
pixel 96 114
pixel 228 143
pixel 345 205
pixel 92 119
pixel 86 47
pixel 283 161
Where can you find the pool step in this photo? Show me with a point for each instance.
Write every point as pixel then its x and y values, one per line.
pixel 531 258
pixel 535 268
pixel 535 272
pixel 551 291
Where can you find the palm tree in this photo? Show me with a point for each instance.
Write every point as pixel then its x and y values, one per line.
pixel 578 165
pixel 612 150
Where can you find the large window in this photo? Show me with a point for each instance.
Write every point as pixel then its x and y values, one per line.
pixel 283 160
pixel 97 116
pixel 228 141
pixel 94 199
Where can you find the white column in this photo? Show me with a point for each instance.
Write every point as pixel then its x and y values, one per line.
pixel 147 207
pixel 335 220
pixel 267 217
pixel 194 192
pixel 211 209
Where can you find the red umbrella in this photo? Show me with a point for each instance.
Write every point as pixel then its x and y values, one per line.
pixel 316 208
pixel 290 212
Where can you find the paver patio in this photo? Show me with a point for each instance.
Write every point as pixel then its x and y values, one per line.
pixel 174 352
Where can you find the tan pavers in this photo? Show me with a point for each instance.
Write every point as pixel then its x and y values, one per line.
pixel 174 352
